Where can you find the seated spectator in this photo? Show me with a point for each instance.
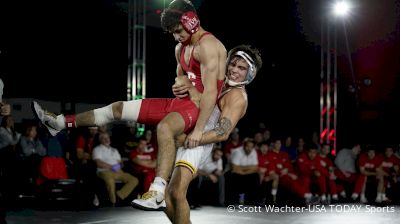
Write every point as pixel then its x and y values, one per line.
pixel 266 175
pixel 84 166
pixel 346 170
pixel 279 163
pixel 368 164
pixel 8 136
pixel 211 172
pixel 232 143
pixel 289 149
pixel 390 171
pixel 109 166
pixel 311 171
pixel 5 109
pixel 32 151
pixel 244 174
pixel 143 163
pixel 329 168
pixel 299 148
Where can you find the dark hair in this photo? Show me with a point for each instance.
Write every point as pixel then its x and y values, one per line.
pixel 247 140
pixel 171 16
pixel 311 146
pixel 263 143
pixel 254 53
pixel 217 147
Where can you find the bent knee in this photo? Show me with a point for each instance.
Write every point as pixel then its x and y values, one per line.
pixel 164 127
pixel 175 194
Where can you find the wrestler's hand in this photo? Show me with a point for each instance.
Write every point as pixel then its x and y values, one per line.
pixel 5 109
pixel 181 86
pixel 193 139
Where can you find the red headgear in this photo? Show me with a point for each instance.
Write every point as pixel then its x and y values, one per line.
pixel 190 22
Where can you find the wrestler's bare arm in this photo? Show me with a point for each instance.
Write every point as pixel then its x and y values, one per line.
pixel 211 55
pixel 210 59
pixel 233 107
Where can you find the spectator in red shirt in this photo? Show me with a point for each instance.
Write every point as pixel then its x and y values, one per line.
pixel 368 164
pixel 143 163
pixel 266 175
pixel 311 171
pixel 232 143
pixel 327 165
pixel 280 163
pixel 389 170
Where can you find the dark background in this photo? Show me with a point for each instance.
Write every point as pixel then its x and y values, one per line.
pixel 76 51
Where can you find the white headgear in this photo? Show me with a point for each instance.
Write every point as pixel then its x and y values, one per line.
pixel 251 73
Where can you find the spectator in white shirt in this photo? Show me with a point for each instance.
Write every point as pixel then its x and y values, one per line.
pixel 109 166
pixel 244 175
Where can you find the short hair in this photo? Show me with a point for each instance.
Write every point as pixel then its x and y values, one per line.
pixel 254 53
pixel 247 140
pixel 171 16
pixel 311 146
pixel 263 143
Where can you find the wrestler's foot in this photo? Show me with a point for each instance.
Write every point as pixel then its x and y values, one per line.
pixel 52 122
pixel 150 201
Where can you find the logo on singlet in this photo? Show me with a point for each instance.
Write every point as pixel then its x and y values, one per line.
pixel 192 77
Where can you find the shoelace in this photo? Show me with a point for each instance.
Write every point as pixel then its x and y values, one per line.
pixel 149 195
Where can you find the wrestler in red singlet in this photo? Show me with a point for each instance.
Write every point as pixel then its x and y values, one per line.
pixel 152 111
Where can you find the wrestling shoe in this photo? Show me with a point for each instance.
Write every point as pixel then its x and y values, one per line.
pixel 150 201
pixel 52 122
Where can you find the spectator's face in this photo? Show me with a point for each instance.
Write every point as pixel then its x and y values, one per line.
pixel 301 142
pixel 104 139
pixel 10 121
pixel 264 148
pixel 248 147
pixel 142 145
pixel 325 149
pixel 371 154
pixel 32 133
pixel 258 137
pixel 266 135
pixel 277 145
pixel 148 135
pixel 235 135
pixel 388 152
pixel 356 149
pixel 93 131
pixel 312 153
pixel 288 141
pixel 217 155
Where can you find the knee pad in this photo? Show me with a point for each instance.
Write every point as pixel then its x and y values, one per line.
pixel 103 115
pixel 130 110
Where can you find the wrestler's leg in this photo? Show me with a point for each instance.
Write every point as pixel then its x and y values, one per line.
pixel 128 110
pixel 176 191
pixel 171 126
